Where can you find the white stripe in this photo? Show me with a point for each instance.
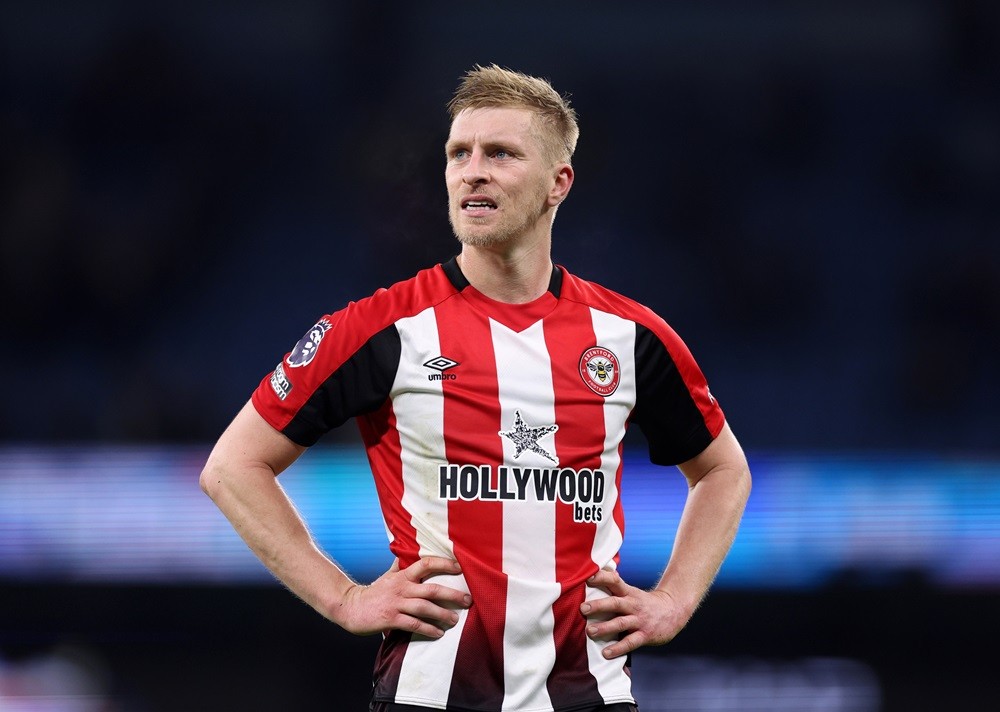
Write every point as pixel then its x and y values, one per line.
pixel 524 379
pixel 618 336
pixel 425 676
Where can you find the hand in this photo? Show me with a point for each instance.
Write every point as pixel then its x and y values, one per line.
pixel 646 617
pixel 400 600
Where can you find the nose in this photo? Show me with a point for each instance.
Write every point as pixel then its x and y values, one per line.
pixel 475 170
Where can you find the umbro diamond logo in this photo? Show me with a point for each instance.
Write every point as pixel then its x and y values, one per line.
pixel 441 364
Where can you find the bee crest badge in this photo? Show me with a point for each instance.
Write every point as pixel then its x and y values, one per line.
pixel 600 370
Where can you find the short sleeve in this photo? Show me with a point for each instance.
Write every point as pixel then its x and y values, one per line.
pixel 674 408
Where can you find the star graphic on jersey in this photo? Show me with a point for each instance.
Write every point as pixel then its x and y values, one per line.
pixel 526 438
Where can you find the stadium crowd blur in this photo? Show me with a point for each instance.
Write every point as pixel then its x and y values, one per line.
pixel 809 196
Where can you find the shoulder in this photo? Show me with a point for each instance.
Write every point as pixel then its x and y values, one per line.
pixel 599 297
pixel 344 332
pixel 406 298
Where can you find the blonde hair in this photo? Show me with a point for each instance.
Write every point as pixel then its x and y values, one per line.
pixel 495 86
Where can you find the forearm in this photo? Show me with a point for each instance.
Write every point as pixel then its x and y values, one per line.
pixel 707 528
pixel 630 617
pixel 265 518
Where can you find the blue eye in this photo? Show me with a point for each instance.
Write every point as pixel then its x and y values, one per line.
pixel 501 154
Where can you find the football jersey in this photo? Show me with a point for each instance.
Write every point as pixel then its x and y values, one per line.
pixel 494 433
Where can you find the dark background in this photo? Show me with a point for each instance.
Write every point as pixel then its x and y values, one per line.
pixel 808 193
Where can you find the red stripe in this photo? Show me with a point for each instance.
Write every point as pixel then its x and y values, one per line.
pixel 580 415
pixel 381 438
pixel 471 424
pixel 388 663
pixel 589 293
pixel 694 379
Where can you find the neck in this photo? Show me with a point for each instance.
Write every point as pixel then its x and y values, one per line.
pixel 513 277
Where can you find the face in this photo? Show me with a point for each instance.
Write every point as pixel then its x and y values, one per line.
pixel 502 187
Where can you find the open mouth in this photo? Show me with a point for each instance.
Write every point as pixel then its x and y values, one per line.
pixel 477 204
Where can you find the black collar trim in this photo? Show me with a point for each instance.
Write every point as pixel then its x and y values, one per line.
pixel 455 276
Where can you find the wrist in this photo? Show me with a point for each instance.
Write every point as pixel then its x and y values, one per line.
pixel 334 597
pixel 686 603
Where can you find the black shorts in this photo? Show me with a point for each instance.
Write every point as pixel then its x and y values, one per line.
pixel 392 707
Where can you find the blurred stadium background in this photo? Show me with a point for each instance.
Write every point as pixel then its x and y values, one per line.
pixel 807 192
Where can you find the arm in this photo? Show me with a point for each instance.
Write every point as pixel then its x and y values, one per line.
pixel 718 488
pixel 240 477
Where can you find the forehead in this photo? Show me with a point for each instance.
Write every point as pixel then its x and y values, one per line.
pixel 493 125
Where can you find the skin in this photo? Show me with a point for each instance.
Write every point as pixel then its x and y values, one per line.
pixel 718 488
pixel 240 477
pixel 498 155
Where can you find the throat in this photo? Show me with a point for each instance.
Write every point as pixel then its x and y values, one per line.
pixel 505 279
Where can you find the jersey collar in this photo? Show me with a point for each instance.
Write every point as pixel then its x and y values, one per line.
pixel 455 276
pixel 516 317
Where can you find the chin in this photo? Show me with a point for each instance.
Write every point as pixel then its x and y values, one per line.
pixel 480 239
pixel 476 240
pixel 470 235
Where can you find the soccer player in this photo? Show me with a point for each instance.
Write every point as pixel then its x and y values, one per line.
pixel 492 393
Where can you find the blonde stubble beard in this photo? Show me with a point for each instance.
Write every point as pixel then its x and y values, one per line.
pixel 500 234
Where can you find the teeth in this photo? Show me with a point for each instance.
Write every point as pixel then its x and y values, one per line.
pixel 478 204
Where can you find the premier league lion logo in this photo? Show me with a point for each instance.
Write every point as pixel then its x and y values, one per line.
pixel 305 350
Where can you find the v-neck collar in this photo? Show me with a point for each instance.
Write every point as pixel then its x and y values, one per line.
pixel 516 317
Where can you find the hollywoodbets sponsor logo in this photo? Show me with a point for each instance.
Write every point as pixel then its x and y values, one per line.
pixel 583 489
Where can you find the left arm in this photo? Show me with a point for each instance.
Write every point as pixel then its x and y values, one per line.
pixel 718 488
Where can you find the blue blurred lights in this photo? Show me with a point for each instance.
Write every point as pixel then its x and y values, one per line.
pixel 137 515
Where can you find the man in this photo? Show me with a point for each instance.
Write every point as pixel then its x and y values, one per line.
pixel 492 393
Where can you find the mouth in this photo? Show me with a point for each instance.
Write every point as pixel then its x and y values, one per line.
pixel 477 204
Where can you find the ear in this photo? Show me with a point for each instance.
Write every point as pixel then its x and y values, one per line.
pixel 561 185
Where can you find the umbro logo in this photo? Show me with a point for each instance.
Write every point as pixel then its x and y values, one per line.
pixel 441 364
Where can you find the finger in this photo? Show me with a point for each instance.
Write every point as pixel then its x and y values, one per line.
pixel 624 646
pixel 430 612
pixel 610 581
pixel 410 624
pixel 609 605
pixel 613 628
pixel 440 594
pixel 431 566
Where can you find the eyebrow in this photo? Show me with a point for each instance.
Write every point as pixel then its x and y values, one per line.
pixel 488 146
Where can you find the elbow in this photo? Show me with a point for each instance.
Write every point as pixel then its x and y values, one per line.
pixel 744 482
pixel 211 479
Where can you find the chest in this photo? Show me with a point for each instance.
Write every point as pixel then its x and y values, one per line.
pixel 564 384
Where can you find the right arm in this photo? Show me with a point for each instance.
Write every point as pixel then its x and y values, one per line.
pixel 241 478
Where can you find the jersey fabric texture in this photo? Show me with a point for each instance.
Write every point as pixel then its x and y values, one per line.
pixel 494 433
pixel 391 707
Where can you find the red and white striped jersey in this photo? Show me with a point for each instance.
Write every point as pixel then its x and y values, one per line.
pixel 494 433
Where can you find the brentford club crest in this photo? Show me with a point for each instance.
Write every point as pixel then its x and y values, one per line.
pixel 599 370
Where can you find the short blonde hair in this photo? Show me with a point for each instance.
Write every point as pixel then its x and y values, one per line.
pixel 495 86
